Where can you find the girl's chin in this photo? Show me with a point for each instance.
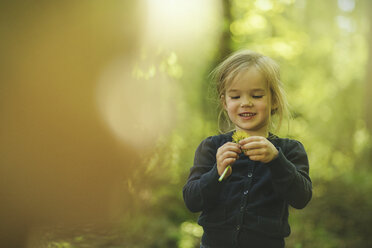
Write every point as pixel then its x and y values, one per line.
pixel 251 130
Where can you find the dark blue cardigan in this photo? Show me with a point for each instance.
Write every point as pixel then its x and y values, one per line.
pixel 253 201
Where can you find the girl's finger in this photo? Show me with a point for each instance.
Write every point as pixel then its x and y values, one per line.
pixel 228 161
pixel 252 152
pixel 230 154
pixel 250 139
pixel 231 147
pixel 228 147
pixel 253 145
pixel 256 157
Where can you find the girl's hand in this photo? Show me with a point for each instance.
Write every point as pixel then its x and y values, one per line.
pixel 259 148
pixel 226 155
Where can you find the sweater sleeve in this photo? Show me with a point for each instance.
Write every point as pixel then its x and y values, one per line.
pixel 290 175
pixel 202 189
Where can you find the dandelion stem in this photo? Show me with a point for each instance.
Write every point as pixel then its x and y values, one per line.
pixel 224 173
pixel 236 137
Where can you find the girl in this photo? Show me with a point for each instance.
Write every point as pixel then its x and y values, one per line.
pixel 265 173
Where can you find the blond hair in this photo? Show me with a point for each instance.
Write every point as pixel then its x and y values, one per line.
pixel 242 60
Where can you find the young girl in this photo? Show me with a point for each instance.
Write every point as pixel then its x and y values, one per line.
pixel 265 173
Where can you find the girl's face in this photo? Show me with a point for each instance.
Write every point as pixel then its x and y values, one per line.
pixel 247 101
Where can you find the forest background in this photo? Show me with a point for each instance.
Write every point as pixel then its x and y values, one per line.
pixel 103 104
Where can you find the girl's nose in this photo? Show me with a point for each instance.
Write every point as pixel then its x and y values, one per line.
pixel 246 103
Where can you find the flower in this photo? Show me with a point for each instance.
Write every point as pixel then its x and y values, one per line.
pixel 238 136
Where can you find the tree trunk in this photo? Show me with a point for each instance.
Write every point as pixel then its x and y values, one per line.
pixel 224 46
pixel 224 49
pixel 368 81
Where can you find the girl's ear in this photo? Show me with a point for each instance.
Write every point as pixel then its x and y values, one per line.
pixel 223 101
pixel 274 105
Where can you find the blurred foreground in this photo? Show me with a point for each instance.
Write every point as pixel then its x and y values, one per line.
pixel 103 104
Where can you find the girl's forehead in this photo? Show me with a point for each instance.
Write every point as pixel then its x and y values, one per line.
pixel 248 79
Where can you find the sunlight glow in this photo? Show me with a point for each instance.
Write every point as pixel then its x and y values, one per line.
pixel 249 25
pixel 136 104
pixel 345 23
pixel 173 22
pixel 264 5
pixel 346 5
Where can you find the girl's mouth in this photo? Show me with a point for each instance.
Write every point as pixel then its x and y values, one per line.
pixel 247 114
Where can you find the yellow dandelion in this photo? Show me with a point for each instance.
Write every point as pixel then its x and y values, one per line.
pixel 239 135
pixel 236 137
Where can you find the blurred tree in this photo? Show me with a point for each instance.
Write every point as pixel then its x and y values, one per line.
pixel 224 46
pixel 368 80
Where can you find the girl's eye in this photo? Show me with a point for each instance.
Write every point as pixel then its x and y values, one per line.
pixel 259 96
pixel 235 97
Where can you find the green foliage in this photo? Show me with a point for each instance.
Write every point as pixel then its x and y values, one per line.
pixel 339 215
pixel 322 49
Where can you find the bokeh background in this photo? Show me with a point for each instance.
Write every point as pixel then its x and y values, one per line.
pixel 103 103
